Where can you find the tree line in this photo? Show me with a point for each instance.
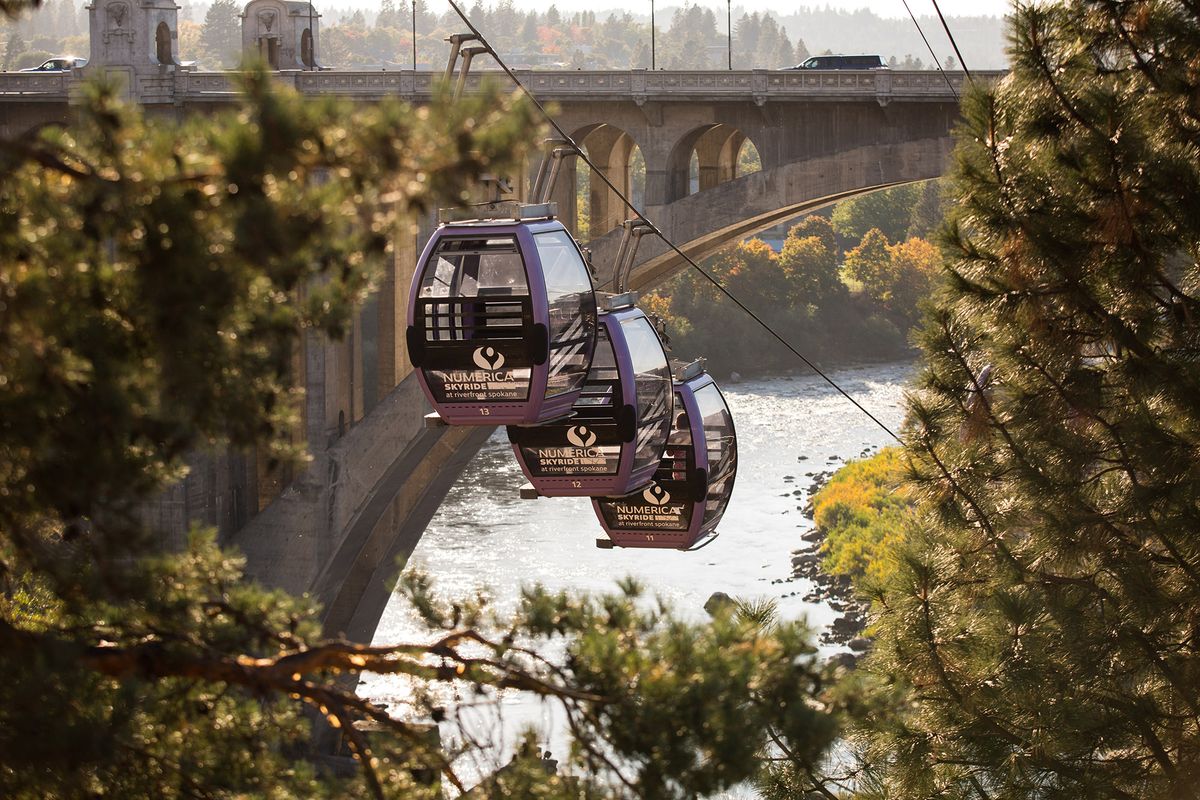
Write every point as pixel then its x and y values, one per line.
pixel 688 37
pixel 845 288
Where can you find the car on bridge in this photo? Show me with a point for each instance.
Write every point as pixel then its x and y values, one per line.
pixel 842 62
pixel 58 64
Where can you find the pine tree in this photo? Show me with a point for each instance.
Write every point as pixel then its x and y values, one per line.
pixel 529 33
pixel 641 56
pixel 783 58
pixel 67 20
pixel 927 214
pixel 388 16
pixel 1038 639
pixel 221 34
pixel 802 53
pixel 14 46
pixel 745 41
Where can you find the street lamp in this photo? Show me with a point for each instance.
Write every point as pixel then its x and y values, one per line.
pixel 729 30
pixel 414 34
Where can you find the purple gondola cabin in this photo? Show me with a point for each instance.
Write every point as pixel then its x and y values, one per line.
pixel 614 440
pixel 694 480
pixel 502 322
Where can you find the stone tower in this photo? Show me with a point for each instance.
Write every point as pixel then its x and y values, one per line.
pixel 281 33
pixel 143 34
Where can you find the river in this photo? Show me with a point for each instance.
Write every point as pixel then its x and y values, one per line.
pixel 789 429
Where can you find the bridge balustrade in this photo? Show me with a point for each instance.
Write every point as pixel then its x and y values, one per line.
pixel 24 84
pixel 638 85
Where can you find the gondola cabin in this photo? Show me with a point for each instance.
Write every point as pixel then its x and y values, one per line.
pixel 694 479
pixel 613 442
pixel 502 320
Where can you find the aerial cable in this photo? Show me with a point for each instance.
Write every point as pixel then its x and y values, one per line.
pixel 929 47
pixel 564 136
pixel 953 43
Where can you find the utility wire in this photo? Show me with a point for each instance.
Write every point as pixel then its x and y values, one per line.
pixel 953 43
pixel 657 231
pixel 929 47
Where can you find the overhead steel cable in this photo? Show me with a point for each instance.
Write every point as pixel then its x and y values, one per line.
pixel 929 47
pixel 953 43
pixel 564 136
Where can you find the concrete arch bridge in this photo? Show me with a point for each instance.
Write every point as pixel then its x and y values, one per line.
pixel 337 528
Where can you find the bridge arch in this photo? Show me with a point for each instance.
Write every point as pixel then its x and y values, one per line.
pixel 613 150
pixel 709 153
pixel 702 223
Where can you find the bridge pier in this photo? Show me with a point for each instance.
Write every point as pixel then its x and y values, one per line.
pixel 609 149
pixel 717 153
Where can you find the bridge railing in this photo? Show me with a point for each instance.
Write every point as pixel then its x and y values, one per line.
pixel 638 85
pixel 35 84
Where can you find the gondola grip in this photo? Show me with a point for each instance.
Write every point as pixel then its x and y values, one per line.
pixel 627 423
pixel 416 346
pixel 699 485
pixel 539 344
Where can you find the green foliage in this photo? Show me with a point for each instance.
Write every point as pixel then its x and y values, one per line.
pixel 748 160
pixel 819 226
pixel 14 46
pixel 889 210
pixel 896 276
pixel 1037 639
pixel 31 58
pixel 689 709
pixel 798 292
pixel 929 213
pixel 810 270
pixel 221 35
pixel 863 511
pixel 154 280
pixel 870 265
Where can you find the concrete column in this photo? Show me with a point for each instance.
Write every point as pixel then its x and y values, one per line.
pixel 727 165
pixel 609 150
pixel 393 309
pixel 564 193
pixel 709 151
pixel 657 155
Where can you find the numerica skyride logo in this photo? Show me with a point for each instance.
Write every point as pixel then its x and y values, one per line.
pixel 580 436
pixel 488 358
pixel 656 495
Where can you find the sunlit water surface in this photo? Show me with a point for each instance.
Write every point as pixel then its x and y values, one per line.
pixel 484 535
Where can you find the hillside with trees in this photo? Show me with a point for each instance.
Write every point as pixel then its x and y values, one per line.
pixel 689 36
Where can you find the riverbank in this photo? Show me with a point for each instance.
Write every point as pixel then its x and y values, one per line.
pixel 859 513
